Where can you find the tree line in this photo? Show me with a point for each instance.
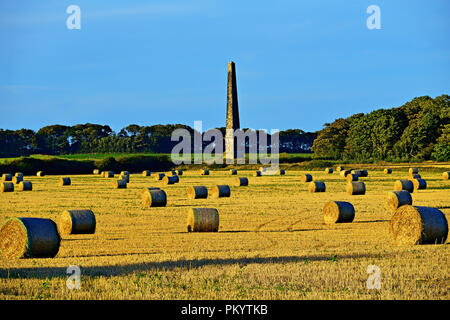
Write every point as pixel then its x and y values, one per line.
pixel 96 138
pixel 418 130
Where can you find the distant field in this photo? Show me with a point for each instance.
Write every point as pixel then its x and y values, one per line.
pixel 272 242
pixel 98 156
pixel 84 156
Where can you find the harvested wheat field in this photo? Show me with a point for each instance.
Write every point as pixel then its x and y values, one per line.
pixel 272 242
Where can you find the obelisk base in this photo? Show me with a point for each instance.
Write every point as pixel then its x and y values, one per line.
pixel 229 146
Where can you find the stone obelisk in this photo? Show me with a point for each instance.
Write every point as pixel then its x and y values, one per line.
pixel 232 112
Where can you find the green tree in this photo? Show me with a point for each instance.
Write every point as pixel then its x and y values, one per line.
pixel 331 141
pixel 53 139
pixel 441 150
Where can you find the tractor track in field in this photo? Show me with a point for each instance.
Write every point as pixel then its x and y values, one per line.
pixel 265 223
pixel 289 227
pixel 273 243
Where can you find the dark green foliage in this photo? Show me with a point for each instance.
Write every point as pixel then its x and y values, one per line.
pixel 135 163
pixel 296 141
pixel 330 142
pixel 94 138
pixel 107 164
pixel 417 131
pixel 53 139
pixel 29 166
pixel 140 163
pixel 441 150
pixel 19 142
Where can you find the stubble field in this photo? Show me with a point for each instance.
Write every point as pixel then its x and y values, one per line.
pixel 272 242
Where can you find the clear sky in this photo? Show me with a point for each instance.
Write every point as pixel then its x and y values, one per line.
pixel 299 64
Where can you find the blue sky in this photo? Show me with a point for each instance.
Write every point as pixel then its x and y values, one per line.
pixel 299 64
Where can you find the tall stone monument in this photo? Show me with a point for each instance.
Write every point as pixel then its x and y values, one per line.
pixel 232 112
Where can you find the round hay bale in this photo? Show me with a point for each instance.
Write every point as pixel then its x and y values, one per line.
pixel 388 170
pixel 241 182
pixel 203 220
pixel 40 174
pixel 446 175
pixel 257 173
pixel 232 172
pixel 109 174
pixel 64 181
pixel 306 177
pixel 17 180
pixel 120 184
pixel 96 171
pixel 77 222
pixel 19 175
pixel 7 186
pixel 159 176
pixel 148 189
pixel 344 173
pixel 352 177
pixel 338 212
pixel 180 172
pixel 419 184
pixel 414 176
pixel 364 173
pixel 316 186
pixel 102 174
pixel 170 180
pixel 404 185
pixel 171 173
pixel 204 172
pixel 154 198
pixel 412 225
pixel 146 173
pixel 124 177
pixel 329 170
pixel 339 168
pixel 413 171
pixel 197 192
pixel 357 172
pixel 220 191
pixel 25 186
pixel 356 188
pixel 7 177
pixel 124 173
pixel 29 238
pixel 281 172
pixel 396 199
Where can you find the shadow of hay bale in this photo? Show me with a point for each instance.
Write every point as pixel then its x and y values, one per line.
pixel 29 273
